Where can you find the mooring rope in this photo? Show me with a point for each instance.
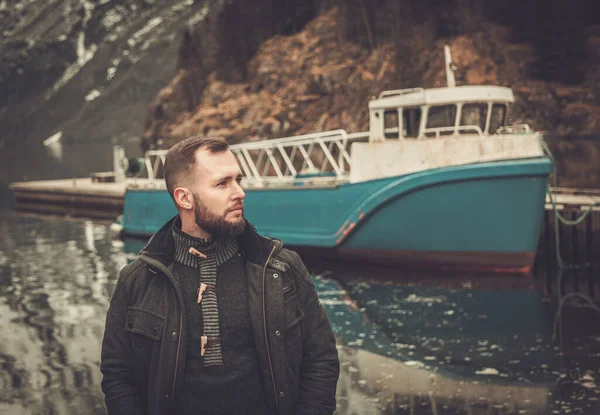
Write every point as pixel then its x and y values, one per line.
pixel 562 265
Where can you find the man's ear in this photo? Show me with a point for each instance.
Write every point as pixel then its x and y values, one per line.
pixel 183 198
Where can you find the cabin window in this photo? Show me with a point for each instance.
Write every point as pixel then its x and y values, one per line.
pixel 440 119
pixel 391 124
pixel 498 117
pixel 411 122
pixel 473 115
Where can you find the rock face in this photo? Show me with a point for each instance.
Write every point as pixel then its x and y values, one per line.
pixel 314 80
pixel 87 69
pixel 309 81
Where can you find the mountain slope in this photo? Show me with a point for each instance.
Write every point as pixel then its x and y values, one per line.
pixel 86 69
pixel 314 80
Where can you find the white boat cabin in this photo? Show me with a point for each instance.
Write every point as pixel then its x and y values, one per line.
pixel 417 113
pixel 418 129
pixel 413 130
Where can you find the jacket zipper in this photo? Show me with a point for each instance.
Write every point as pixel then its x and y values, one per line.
pixel 265 327
pixel 177 357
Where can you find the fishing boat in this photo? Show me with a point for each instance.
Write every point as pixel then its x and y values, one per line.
pixel 439 180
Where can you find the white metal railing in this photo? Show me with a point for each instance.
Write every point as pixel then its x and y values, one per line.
pixel 514 129
pixel 454 129
pixel 509 129
pixel 318 157
pixel 155 162
pixel 395 92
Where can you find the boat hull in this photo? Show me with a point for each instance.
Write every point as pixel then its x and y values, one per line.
pixel 484 216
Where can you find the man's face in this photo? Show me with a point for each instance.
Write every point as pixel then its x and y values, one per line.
pixel 218 197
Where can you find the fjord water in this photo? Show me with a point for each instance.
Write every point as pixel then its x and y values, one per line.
pixel 420 345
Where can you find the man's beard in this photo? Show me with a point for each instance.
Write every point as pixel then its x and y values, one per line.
pixel 217 226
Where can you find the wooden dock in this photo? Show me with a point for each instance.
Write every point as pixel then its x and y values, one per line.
pixel 72 197
pixel 567 198
pixel 578 245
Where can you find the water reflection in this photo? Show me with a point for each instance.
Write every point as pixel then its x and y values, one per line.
pixel 411 348
pixel 407 345
pixel 56 278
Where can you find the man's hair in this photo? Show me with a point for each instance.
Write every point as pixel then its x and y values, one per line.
pixel 180 158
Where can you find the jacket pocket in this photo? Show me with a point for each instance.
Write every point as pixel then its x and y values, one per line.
pixel 146 323
pixel 145 328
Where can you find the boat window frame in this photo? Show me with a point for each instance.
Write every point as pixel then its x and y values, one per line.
pixel 419 122
pixel 451 128
pixel 504 116
pixel 459 117
pixel 392 135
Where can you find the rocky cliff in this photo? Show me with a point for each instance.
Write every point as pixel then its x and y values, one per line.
pixel 86 70
pixel 315 80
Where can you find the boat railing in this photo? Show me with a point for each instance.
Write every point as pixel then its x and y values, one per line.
pixel 319 157
pixel 394 92
pixel 450 130
pixel 514 129
pixel 155 162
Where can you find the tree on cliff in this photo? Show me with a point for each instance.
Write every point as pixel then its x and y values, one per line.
pixel 556 28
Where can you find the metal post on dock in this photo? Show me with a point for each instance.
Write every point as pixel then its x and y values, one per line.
pixel 119 163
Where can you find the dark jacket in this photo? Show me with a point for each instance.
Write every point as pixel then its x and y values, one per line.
pixel 144 347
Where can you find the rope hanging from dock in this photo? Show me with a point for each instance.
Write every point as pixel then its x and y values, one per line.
pixel 562 265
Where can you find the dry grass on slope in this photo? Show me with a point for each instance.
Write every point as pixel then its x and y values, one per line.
pixel 316 81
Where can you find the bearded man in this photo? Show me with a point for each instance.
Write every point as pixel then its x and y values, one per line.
pixel 213 318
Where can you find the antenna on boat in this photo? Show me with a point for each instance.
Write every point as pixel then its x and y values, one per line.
pixel 450 67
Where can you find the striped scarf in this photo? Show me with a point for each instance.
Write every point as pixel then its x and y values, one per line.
pixel 216 253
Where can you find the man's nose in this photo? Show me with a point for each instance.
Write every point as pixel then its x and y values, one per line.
pixel 239 192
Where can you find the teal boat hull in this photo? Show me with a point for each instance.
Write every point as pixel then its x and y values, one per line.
pixel 484 216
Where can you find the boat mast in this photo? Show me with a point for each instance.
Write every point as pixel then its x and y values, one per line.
pixel 450 67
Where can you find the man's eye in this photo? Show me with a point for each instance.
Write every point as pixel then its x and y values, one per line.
pixel 221 184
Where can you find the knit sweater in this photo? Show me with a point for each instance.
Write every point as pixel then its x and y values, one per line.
pixel 226 378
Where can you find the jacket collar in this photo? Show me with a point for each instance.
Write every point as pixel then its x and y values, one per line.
pixel 254 247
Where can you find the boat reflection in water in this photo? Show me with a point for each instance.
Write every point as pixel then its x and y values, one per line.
pixel 414 346
pixel 448 345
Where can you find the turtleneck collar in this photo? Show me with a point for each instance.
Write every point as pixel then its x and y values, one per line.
pixel 222 248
